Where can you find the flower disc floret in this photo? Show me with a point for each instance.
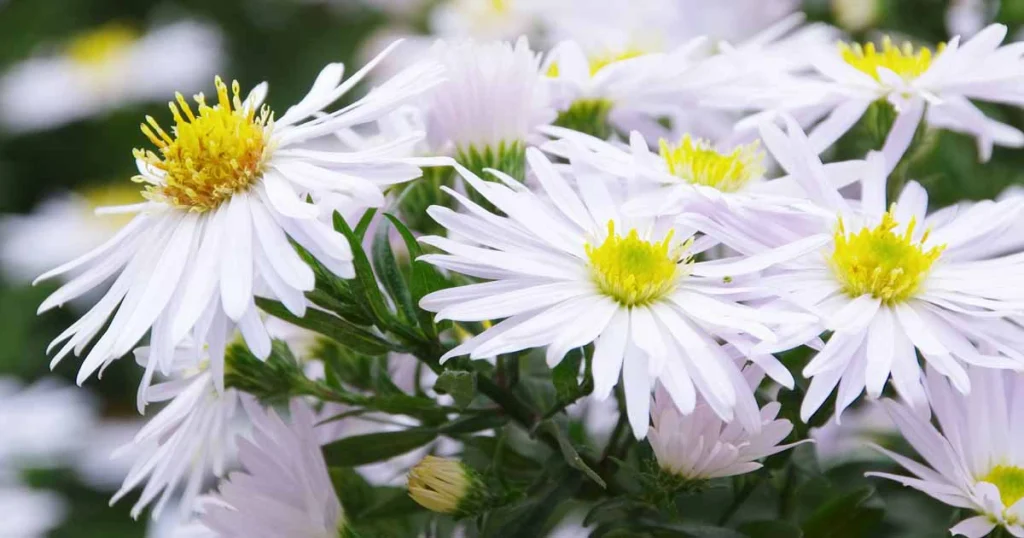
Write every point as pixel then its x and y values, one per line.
pixel 213 155
pixel 1009 479
pixel 633 271
pixel 697 162
pixel 880 262
pixel 904 60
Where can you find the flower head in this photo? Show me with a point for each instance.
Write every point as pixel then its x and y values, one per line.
pixel 904 60
pixel 971 460
pixel 698 163
pixel 444 485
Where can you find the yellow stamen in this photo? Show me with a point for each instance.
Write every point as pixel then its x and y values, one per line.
pixel 903 60
pixel 697 162
pixel 1009 480
pixel 636 272
pixel 112 195
pixel 600 61
pixel 101 45
pixel 880 262
pixel 213 154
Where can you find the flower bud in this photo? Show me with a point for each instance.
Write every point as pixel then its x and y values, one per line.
pixel 446 486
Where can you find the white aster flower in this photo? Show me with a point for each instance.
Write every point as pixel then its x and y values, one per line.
pixel 43 425
pixel 569 269
pixel 63 227
pixel 285 489
pixel 838 443
pixel 107 68
pixel 185 442
pixel 493 98
pixel 216 227
pixel 700 176
pixel 29 513
pixel 486 19
pixel 700 446
pixel 974 460
pixel 913 80
pixel 891 281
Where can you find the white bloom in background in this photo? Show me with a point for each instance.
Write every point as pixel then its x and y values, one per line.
pixel 566 269
pixel 216 225
pixel 107 68
pixel 492 99
pixel 700 176
pixel 43 425
pixel 285 489
pixel 597 90
pixel 183 444
pixel 918 82
pixel 838 443
pixel 968 17
pixel 857 15
pixel 890 281
pixel 486 19
pixel 700 446
pixel 60 228
pixel 974 460
pixel 29 513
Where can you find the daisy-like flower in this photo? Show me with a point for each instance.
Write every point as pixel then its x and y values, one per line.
pixel 696 175
pixel 699 446
pixel 108 67
pixel 569 269
pixel 29 513
pixel 891 281
pixel 595 92
pixel 914 80
pixel 492 100
pixel 226 193
pixel 62 227
pixel 185 442
pixel 487 19
pixel 974 460
pixel 285 489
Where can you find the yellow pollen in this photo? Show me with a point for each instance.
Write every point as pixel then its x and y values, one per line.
pixel 636 272
pixel 879 262
pixel 101 45
pixel 1009 480
pixel 903 60
pixel 697 162
pixel 213 154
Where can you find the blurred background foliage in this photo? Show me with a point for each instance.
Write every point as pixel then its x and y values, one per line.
pixel 287 42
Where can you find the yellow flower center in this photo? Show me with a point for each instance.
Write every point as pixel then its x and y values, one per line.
pixel 633 271
pixel 112 195
pixel 697 162
pixel 903 60
pixel 213 155
pixel 1010 482
pixel 880 262
pixel 101 45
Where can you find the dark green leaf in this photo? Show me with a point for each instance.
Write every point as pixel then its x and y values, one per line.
pixel 342 331
pixel 364 286
pixel 391 275
pixel 364 223
pixel 572 457
pixel 374 447
pixel 354 492
pixel 771 529
pixel 852 515
pixel 459 384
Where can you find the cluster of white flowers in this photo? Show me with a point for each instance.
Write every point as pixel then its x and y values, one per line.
pixel 662 192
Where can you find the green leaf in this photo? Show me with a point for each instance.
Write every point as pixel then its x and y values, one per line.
pixel 852 515
pixel 364 286
pixel 565 376
pixel 692 530
pixel 364 223
pixel 771 529
pixel 342 331
pixel 526 518
pixel 459 384
pixel 424 279
pixel 374 447
pixel 354 492
pixel 391 275
pixel 572 457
